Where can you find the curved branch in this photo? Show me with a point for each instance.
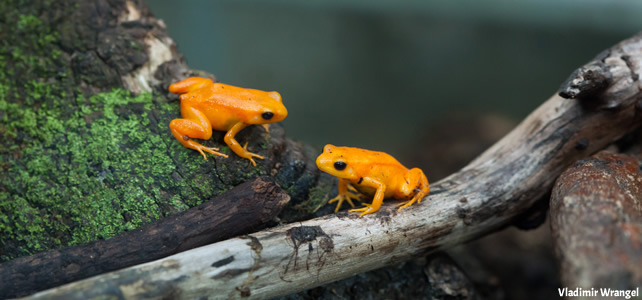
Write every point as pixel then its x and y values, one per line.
pixel 482 197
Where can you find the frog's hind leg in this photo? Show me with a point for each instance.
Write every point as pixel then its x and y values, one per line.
pixel 416 185
pixel 195 125
pixel 189 84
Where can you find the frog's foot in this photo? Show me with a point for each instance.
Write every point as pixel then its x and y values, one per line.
pixel 417 198
pixel 213 150
pixel 267 127
pixel 186 130
pixel 249 155
pixel 368 209
pixel 189 143
pixel 345 197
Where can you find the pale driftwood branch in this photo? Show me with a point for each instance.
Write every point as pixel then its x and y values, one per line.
pixel 482 197
pixel 596 221
pixel 240 210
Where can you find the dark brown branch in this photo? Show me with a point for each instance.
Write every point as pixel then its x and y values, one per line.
pixel 486 195
pixel 596 222
pixel 241 210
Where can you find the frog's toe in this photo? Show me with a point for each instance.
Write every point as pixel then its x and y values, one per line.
pixel 368 209
pixel 245 146
pixel 348 197
pixel 358 209
pixel 250 156
pixel 351 197
pixel 405 204
pixel 336 209
pixel 202 153
pixel 212 150
pixel 340 199
pixel 257 156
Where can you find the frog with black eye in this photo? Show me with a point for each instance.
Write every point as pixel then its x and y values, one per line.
pixel 207 106
pixel 374 174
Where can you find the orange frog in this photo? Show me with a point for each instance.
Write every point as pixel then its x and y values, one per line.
pixel 206 105
pixel 371 173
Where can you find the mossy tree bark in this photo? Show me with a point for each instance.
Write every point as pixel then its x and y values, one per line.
pixel 86 152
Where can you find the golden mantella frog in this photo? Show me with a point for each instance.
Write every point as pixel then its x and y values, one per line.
pixel 206 105
pixel 374 174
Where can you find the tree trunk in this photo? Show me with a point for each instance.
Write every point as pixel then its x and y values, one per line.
pixel 484 196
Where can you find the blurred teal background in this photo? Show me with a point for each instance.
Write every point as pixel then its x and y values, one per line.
pixel 379 74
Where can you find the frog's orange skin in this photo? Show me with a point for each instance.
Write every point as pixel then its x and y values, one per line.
pixel 206 105
pixel 372 173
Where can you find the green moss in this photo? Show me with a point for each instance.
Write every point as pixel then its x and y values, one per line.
pixel 225 150
pixel 28 23
pixel 117 172
pixel 73 168
pixel 78 167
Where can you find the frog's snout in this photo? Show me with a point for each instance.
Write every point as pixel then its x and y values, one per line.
pixel 281 113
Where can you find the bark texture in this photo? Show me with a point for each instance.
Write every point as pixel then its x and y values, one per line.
pixel 596 221
pixel 488 194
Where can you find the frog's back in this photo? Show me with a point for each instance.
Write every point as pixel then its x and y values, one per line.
pixel 368 158
pixel 228 96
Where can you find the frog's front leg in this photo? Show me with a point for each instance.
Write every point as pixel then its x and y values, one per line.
pixel 378 197
pixel 236 147
pixel 194 125
pixel 266 127
pixel 344 195
pixel 416 186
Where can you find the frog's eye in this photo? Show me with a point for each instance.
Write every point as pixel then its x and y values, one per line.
pixel 340 165
pixel 267 115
